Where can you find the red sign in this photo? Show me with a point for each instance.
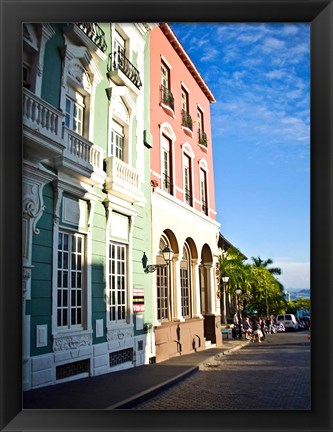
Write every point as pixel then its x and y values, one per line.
pixel 138 308
pixel 138 300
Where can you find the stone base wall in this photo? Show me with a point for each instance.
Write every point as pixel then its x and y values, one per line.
pixel 179 338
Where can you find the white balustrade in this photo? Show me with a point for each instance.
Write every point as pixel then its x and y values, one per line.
pixel 124 172
pixel 84 151
pixel 41 116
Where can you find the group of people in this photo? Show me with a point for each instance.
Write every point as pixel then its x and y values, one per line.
pixel 256 328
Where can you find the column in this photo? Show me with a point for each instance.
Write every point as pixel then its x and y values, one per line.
pixel 195 280
pixel 34 179
pixel 176 290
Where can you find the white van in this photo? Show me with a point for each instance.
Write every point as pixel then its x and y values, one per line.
pixel 288 320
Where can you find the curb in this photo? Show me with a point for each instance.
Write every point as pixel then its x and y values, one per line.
pixel 141 397
pixel 153 391
pixel 236 348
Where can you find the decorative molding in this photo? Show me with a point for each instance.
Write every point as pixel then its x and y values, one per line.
pixel 78 73
pixel 33 206
pixel 65 343
pixel 120 110
pixel 119 334
pixel 57 201
pixel 26 276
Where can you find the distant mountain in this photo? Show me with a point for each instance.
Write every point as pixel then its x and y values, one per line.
pixel 299 292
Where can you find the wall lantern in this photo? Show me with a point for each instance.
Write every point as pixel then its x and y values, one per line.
pixel 167 256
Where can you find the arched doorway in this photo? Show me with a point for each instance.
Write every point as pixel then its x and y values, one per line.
pixel 206 266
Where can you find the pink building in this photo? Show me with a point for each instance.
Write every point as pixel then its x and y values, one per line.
pixel 183 203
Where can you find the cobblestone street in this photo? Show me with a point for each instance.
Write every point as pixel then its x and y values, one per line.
pixel 272 375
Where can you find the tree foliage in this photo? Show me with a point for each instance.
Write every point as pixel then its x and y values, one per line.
pixel 301 304
pixel 261 291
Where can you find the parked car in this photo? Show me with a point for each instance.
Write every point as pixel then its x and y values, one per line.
pixel 306 321
pixel 288 320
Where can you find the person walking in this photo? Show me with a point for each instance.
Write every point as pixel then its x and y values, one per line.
pixel 256 330
pixel 262 328
pixel 247 328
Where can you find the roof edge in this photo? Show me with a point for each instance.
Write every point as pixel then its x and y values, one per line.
pixel 170 35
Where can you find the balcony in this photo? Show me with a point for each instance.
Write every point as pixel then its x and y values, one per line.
pixel 202 138
pixel 42 128
pixel 47 139
pixel 121 70
pixel 167 184
pixel 187 123
pixel 204 207
pixel 167 100
pixel 123 181
pixel 95 34
pixel 188 197
pixel 81 158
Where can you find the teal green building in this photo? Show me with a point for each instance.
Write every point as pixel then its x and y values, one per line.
pixel 87 302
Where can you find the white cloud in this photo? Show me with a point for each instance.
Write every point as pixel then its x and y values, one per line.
pixel 275 74
pixel 272 44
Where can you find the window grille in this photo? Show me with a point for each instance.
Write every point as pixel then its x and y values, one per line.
pixel 120 357
pixel 71 369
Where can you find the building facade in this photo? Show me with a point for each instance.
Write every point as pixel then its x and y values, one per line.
pixel 86 200
pixel 186 307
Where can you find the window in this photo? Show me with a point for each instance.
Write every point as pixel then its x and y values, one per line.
pixel 202 137
pixel 27 65
pixel 166 95
pixel 117 141
pixel 70 286
pixel 203 191
pixel 163 291
pixel 164 76
pixel 31 46
pixel 166 165
pixel 184 100
pixel 186 118
pixel 185 282
pixel 118 50
pixel 74 111
pixel 187 180
pixel 117 282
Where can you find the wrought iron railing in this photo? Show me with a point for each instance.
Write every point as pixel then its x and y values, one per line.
pixel 188 197
pixel 95 33
pixel 187 120
pixel 204 207
pixel 167 184
pixel 202 137
pixel 167 97
pixel 118 60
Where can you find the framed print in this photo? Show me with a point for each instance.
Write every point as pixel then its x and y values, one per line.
pixel 73 217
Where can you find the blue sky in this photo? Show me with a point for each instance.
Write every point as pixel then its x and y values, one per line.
pixel 260 77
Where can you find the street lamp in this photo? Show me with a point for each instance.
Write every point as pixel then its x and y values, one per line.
pixel 167 256
pixel 239 292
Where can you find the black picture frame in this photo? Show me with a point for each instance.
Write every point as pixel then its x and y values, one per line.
pixel 320 14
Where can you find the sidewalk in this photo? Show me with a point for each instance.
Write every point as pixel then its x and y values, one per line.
pixel 125 388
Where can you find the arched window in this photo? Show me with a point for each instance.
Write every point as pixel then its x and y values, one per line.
pixel 185 282
pixel 163 284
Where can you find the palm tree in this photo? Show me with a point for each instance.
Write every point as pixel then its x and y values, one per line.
pixel 232 265
pixel 269 289
pixel 258 262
